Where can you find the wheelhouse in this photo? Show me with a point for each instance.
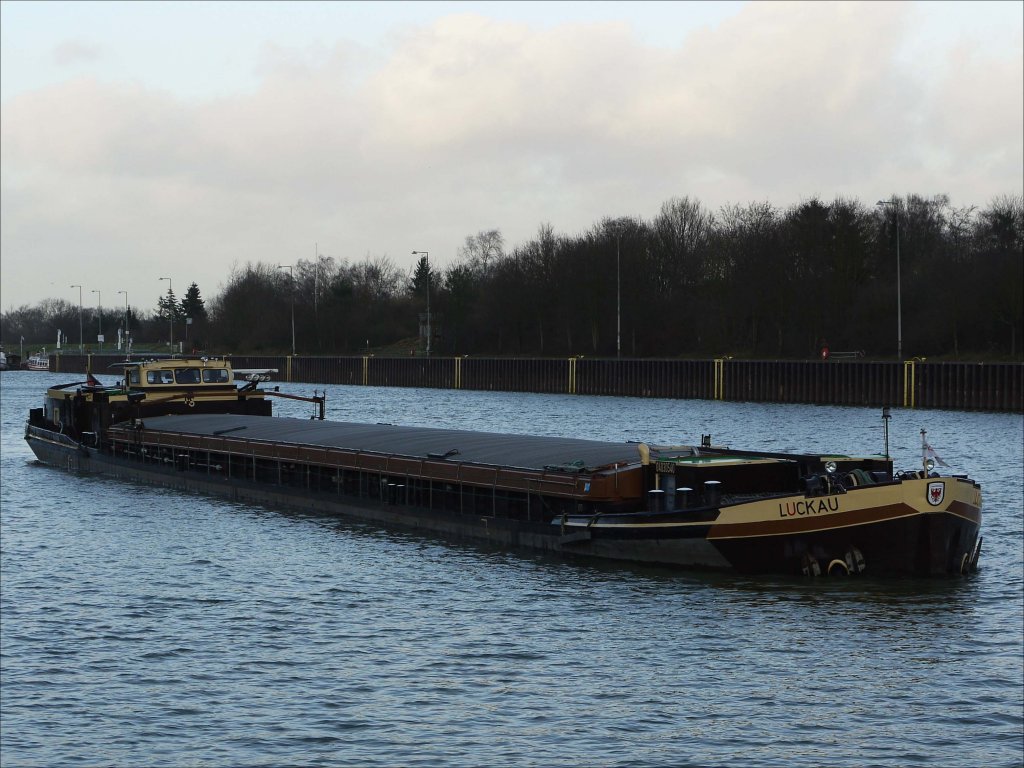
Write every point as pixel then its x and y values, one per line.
pixel 85 409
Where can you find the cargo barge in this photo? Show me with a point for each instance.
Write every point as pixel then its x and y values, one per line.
pixel 192 424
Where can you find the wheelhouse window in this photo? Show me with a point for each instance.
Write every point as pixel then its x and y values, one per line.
pixel 133 376
pixel 159 377
pixel 215 375
pixel 187 375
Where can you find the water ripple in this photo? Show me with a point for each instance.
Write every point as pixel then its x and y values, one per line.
pixel 144 627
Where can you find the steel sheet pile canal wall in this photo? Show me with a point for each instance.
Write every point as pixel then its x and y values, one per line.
pixel 910 384
pixel 847 383
pixel 681 379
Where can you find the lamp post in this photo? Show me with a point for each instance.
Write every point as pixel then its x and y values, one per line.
pixel 899 291
pixel 291 277
pixel 81 337
pixel 426 261
pixel 316 279
pixel 99 332
pixel 170 310
pixel 618 293
pixel 125 317
pixel 617 226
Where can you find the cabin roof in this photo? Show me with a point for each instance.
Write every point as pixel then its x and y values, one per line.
pixel 174 362
pixel 521 451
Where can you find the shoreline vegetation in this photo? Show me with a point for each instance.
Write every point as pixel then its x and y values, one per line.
pixel 413 347
pixel 751 282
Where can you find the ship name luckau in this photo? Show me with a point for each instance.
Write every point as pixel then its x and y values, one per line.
pixel 811 507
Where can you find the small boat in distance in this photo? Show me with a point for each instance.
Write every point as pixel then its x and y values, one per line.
pixel 190 424
pixel 40 361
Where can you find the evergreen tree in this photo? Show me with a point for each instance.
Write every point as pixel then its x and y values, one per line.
pixel 422 276
pixel 167 306
pixel 193 305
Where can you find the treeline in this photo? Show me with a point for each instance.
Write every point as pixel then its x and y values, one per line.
pixel 752 281
pixel 39 325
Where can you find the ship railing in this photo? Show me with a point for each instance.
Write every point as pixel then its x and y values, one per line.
pixel 55 437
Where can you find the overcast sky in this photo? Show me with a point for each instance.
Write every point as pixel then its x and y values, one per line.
pixel 148 140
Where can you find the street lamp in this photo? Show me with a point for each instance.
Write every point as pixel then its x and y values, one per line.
pixel 899 292
pixel 99 333
pixel 426 261
pixel 125 318
pixel 618 293
pixel 316 279
pixel 81 337
pixel 291 277
pixel 618 288
pixel 170 310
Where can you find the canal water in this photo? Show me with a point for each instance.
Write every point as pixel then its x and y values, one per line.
pixel 140 626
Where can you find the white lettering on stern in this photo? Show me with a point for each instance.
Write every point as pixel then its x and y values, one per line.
pixel 809 507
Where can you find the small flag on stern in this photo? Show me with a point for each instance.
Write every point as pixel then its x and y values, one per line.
pixel 930 454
